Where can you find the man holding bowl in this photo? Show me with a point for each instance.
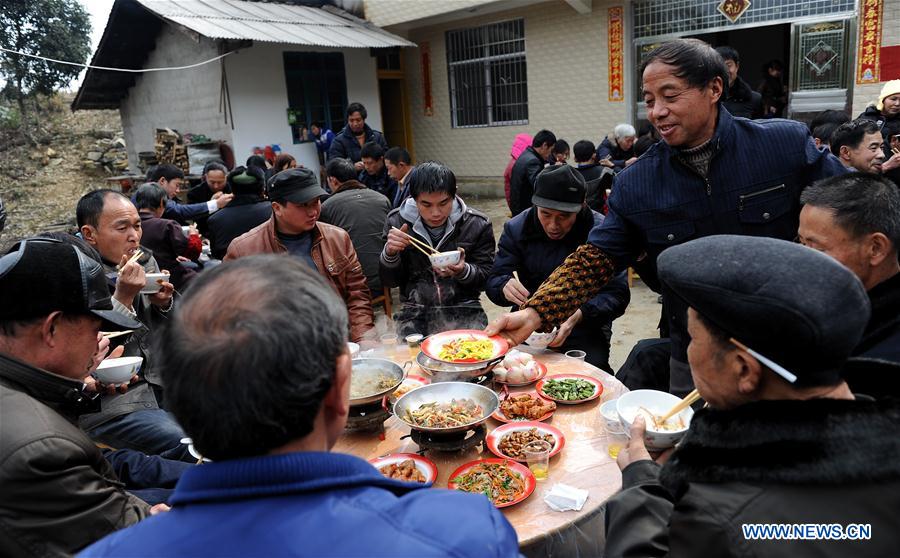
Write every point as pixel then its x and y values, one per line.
pixel 784 440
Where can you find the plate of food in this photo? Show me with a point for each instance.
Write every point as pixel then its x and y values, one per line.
pixel 408 467
pixel 503 481
pixel 519 368
pixel 508 440
pixel 524 407
pixel 466 346
pixel 570 388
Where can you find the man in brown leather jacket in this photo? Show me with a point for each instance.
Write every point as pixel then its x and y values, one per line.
pixel 57 492
pixel 295 229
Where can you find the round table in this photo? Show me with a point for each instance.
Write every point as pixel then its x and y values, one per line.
pixel 583 463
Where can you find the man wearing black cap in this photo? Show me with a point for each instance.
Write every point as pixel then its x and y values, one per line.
pixel 58 492
pixel 536 241
pixel 784 441
pixel 247 210
pixel 295 229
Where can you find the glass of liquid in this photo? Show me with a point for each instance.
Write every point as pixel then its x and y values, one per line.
pixel 615 442
pixel 537 455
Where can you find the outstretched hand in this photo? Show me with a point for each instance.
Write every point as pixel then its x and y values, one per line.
pixel 515 327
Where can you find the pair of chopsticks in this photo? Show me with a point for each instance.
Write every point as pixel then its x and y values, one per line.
pixel 688 400
pixel 418 244
pixel 111 334
pixel 133 258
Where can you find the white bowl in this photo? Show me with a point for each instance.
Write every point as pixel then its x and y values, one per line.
pixel 541 340
pixel 658 403
pixel 152 285
pixel 611 416
pixel 444 259
pixel 354 349
pixel 118 370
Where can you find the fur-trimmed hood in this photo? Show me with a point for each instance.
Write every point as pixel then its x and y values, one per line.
pixel 821 441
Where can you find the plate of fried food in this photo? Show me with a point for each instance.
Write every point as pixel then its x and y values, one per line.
pixel 508 441
pixel 464 346
pixel 503 481
pixel 524 407
pixel 407 467
pixel 570 388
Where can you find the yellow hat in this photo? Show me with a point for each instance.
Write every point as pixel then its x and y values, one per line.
pixel 890 88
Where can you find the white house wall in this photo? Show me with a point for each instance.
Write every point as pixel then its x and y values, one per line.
pixel 259 100
pixel 186 100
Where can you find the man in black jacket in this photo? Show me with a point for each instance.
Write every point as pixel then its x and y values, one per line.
pixel 246 211
pixel 348 143
pixel 740 99
pixel 855 219
pixel 525 171
pixel 784 443
pixel 375 175
pixel 437 298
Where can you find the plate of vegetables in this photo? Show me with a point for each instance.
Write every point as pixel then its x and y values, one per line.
pixel 464 346
pixel 570 388
pixel 504 482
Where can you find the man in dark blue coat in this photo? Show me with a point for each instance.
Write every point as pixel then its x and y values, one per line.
pixel 710 174
pixel 349 141
pixel 273 487
pixel 535 242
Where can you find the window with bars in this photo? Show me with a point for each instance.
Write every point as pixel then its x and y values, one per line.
pixel 317 91
pixel 487 74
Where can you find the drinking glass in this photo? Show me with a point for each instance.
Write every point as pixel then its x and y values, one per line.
pixel 537 455
pixel 577 355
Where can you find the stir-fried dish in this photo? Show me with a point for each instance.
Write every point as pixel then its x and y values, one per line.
pixel 526 407
pixel 457 412
pixel 495 480
pixel 362 384
pixel 655 422
pixel 513 444
pixel 405 470
pixel 467 350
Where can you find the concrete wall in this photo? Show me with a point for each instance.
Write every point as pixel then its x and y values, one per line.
pixel 259 97
pixel 186 100
pixel 189 100
pixel 567 65
pixel 864 95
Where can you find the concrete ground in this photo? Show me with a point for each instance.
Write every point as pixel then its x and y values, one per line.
pixel 640 319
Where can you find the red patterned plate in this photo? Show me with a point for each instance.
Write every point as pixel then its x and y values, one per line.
pixel 432 345
pixel 423 464
pixel 598 388
pixel 516 468
pixel 498 414
pixel 543 372
pixel 496 436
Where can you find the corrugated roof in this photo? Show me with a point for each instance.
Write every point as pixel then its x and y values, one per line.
pixel 275 23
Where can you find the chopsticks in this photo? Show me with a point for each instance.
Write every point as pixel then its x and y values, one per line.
pixel 111 334
pixel 421 246
pixel 133 258
pixel 688 400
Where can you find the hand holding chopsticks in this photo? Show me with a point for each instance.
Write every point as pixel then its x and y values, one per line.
pixel 133 258
pixel 688 400
pixel 411 240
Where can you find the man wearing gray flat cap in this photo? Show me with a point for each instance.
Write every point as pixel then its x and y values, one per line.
pixel 785 461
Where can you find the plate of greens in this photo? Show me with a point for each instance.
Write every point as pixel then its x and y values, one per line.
pixel 570 388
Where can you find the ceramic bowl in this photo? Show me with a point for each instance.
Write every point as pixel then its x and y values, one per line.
pixel 153 284
pixel 658 403
pixel 444 259
pixel 118 370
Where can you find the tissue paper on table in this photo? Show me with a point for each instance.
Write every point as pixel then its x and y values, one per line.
pixel 563 497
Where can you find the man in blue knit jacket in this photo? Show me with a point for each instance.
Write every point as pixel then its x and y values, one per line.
pixel 261 383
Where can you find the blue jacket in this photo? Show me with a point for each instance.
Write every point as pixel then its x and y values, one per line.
pixel 323 141
pixel 312 504
pixel 184 212
pixel 346 146
pixel 526 249
pixel 752 188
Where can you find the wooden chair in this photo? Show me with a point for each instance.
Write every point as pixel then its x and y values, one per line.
pixel 386 302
